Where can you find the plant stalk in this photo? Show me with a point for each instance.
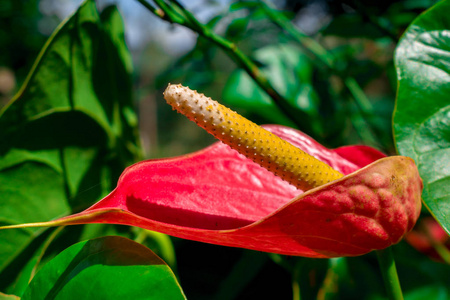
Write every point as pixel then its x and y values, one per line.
pixel 296 293
pixel 328 60
pixel 389 273
pixel 182 16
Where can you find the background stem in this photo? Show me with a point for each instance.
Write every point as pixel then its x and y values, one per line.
pixel 179 15
pixel 389 273
pixel 327 59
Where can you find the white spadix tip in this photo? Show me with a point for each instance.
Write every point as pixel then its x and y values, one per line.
pixel 189 102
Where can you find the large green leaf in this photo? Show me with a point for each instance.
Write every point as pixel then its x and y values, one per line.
pixel 422 114
pixel 105 268
pixel 67 135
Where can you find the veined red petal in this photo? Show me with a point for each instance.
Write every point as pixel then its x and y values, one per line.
pixel 218 196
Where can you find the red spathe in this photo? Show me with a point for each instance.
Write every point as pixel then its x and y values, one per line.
pixel 218 196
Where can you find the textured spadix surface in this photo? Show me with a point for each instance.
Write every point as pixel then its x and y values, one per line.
pixel 218 196
pixel 261 146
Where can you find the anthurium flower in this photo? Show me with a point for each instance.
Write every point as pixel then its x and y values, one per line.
pixel 322 202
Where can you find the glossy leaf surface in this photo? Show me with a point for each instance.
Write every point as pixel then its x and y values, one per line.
pixel 67 135
pixel 105 268
pixel 218 196
pixel 422 116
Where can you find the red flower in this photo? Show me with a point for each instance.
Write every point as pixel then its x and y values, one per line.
pixel 219 196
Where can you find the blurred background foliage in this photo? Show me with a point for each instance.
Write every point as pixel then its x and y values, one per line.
pixel 359 38
pixel 334 67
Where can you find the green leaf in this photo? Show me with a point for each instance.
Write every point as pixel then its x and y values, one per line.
pixel 8 297
pixel 32 265
pixel 70 131
pixel 243 5
pixel 422 114
pixel 105 268
pixel 160 243
pixel 241 91
pixel 236 29
pixel 290 72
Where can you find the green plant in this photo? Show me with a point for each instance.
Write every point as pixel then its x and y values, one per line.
pixel 71 130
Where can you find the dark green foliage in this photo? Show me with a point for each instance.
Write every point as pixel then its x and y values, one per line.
pixel 72 129
pixel 105 268
pixel 68 134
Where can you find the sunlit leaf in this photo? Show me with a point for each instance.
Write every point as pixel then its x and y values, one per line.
pixel 70 131
pixel 422 115
pixel 105 268
pixel 8 297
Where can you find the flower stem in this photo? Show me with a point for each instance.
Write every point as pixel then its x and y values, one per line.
pixel 389 273
pixel 296 293
pixel 280 20
pixel 175 12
